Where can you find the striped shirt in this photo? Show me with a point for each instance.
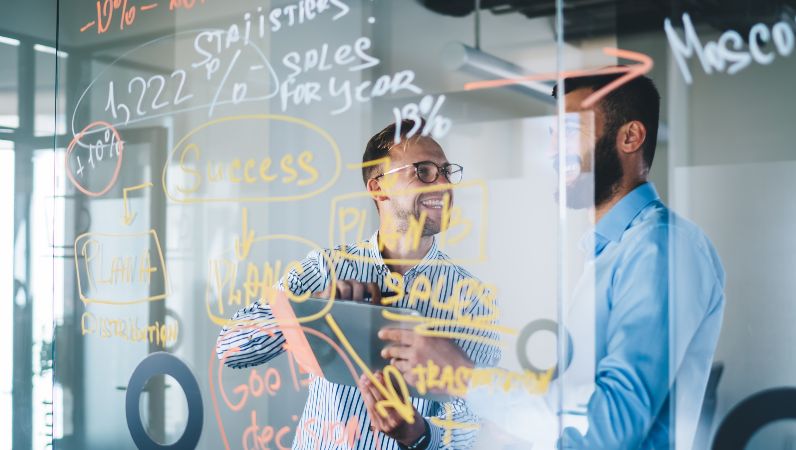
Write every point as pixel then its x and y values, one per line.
pixel 334 403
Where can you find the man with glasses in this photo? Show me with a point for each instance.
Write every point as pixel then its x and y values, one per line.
pixel 652 324
pixel 410 183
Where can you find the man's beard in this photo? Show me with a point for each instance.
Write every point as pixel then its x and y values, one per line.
pixel 598 186
pixel 405 216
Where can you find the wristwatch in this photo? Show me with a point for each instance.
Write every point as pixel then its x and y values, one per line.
pixel 422 442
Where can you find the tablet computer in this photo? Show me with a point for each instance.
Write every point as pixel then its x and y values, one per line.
pixel 323 347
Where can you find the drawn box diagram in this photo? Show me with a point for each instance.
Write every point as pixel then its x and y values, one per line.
pixel 120 268
pixel 463 224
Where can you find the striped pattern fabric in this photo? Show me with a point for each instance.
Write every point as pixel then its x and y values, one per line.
pixel 333 403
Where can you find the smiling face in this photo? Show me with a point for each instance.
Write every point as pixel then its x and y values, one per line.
pixel 401 201
pixel 593 168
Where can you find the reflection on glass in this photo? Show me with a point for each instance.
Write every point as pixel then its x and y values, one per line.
pixel 6 288
pixel 212 184
pixel 47 119
pixel 9 49
pixel 46 283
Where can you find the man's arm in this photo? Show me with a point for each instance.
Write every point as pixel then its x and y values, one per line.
pixel 461 430
pixel 465 424
pixel 454 426
pixel 633 380
pixel 663 290
pixel 252 337
pixel 409 350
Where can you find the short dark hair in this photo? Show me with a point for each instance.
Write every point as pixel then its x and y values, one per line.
pixel 380 144
pixel 637 99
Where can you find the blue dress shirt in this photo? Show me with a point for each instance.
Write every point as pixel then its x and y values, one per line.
pixel 658 306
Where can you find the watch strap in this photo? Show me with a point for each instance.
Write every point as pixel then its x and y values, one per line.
pixel 422 442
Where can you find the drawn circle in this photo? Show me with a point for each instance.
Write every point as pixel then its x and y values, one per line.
pixel 525 335
pixel 71 148
pixel 278 119
pixel 752 414
pixel 161 363
pixel 340 351
pixel 313 246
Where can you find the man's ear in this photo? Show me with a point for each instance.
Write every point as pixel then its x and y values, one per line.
pixel 631 137
pixel 375 190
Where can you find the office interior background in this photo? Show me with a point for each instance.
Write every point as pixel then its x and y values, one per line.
pixel 123 124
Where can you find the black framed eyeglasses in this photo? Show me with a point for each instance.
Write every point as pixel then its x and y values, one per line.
pixel 428 171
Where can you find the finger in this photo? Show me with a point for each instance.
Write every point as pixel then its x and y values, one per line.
pixel 357 291
pixel 322 294
pixel 361 384
pixel 388 422
pixel 401 336
pixel 374 391
pixel 343 290
pixel 373 395
pixel 403 366
pixel 396 352
pixel 396 383
pixel 375 293
pixel 367 395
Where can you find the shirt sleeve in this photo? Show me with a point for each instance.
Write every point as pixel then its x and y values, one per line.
pixel 252 337
pixel 633 380
pixel 460 436
pixel 662 290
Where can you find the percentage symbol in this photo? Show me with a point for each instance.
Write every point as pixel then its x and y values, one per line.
pixel 236 89
pixel 426 103
pixel 110 138
pixel 128 15
pixel 436 125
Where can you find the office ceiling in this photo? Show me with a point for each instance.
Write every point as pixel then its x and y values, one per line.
pixel 594 18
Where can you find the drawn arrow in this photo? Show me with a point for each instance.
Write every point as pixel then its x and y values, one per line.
pixel 395 398
pixel 630 72
pixel 243 244
pixel 128 217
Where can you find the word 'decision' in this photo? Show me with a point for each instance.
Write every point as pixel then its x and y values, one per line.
pixel 268 384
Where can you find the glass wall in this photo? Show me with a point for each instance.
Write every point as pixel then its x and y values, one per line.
pixel 212 208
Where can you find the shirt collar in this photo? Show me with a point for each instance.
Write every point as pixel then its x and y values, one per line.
pixel 614 223
pixel 376 258
pixel 374 253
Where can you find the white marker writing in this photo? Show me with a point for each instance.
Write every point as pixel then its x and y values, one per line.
pixel 728 53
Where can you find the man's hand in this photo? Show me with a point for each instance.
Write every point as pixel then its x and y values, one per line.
pixel 407 350
pixel 393 425
pixel 352 290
